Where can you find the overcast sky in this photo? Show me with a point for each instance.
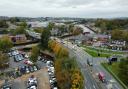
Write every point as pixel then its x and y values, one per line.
pixel 64 8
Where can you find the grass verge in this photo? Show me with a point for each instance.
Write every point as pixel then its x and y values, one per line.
pixel 114 73
pixel 95 54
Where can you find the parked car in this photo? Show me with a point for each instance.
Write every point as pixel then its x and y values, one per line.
pixel 35 68
pixel 27 70
pixel 32 80
pixel 18 58
pixel 23 69
pixel 15 52
pixel 28 62
pixel 32 87
pixel 6 86
pixel 31 68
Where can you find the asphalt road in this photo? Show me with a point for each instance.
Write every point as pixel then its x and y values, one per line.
pixel 90 81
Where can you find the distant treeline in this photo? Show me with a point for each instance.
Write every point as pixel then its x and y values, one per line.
pixel 111 24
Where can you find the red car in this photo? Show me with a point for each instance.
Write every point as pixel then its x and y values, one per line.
pixel 28 62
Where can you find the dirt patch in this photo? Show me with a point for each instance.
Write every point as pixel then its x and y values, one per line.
pixel 41 75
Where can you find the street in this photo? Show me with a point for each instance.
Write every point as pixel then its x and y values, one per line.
pixel 90 81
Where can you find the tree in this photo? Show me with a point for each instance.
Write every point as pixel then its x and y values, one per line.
pixel 5 43
pixel 71 28
pixel 19 30
pixel 3 24
pixel 3 60
pixel 50 26
pixel 34 53
pixel 45 38
pixel 39 30
pixel 119 35
pixel 24 24
pixel 77 31
pixel 14 20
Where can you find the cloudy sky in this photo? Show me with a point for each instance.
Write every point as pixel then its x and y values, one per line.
pixel 64 8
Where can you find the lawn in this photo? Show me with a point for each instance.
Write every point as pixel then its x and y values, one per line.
pixel 95 53
pixel 104 50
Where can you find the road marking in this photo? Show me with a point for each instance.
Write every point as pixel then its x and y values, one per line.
pixel 85 87
pixel 94 86
pixel 116 86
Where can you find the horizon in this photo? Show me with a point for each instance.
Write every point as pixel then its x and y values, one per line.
pixel 64 8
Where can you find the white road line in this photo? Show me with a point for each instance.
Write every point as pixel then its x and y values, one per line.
pixel 85 87
pixel 94 86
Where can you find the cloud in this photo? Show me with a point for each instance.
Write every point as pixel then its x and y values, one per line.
pixel 65 8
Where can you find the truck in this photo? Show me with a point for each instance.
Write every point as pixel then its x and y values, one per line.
pixel 101 76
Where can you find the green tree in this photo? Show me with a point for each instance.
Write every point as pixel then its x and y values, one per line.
pixel 19 30
pixel 24 24
pixel 14 20
pixel 39 30
pixel 34 53
pixel 50 26
pixel 5 43
pixel 45 38
pixel 3 24
pixel 71 28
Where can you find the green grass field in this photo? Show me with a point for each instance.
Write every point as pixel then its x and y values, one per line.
pixel 95 53
pixel 104 50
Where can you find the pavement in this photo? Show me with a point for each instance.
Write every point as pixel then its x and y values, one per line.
pixel 90 73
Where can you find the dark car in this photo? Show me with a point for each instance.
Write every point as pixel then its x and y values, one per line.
pixel 23 69
pixel 16 59
pixel 113 59
pixel 6 86
pixel 89 62
pixel 31 68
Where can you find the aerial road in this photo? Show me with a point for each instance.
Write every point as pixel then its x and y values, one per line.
pixel 90 74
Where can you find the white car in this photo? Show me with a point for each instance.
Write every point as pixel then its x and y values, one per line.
pixel 15 52
pixel 26 56
pixel 32 87
pixel 55 88
pixel 32 80
pixel 27 70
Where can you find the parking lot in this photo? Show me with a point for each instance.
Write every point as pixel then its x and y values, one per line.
pixel 42 78
pixel 21 70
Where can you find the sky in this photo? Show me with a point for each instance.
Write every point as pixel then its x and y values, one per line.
pixel 64 8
